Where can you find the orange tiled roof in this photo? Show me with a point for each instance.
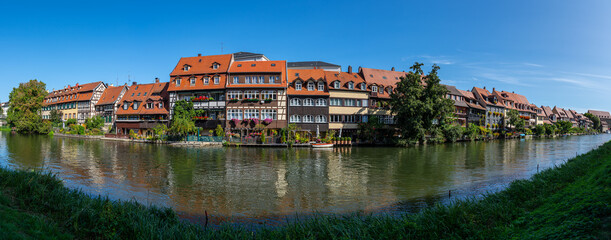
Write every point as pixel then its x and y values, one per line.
pixel 485 94
pixel 600 113
pixel 72 94
pixel 240 68
pixel 467 94
pixel 344 78
pixel 110 95
pixel 305 75
pixel 202 65
pixel 144 93
pixel 381 77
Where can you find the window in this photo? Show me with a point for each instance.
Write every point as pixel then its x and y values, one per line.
pixel 321 102
pixel 363 86
pixel 349 102
pixel 268 113
pixel 160 104
pixel 271 79
pixel 335 102
pixel 193 81
pixel 298 85
pixel 217 79
pixel 381 90
pixel 215 66
pixel 234 95
pixel 364 102
pixel 350 85
pixel 335 118
pixel 136 105
pixel 320 119
pixel 374 88
pixel 308 119
pixel 310 86
pixel 125 105
pixel 250 94
pixel 149 105
pixel 295 119
pixel 349 118
pixel 295 102
pixel 308 102
pixel 234 114
pixel 261 79
pixel 251 113
pixel 269 94
pixel 236 80
pixel 336 84
pixel 177 82
pixel 321 86
pixel 206 80
pixel 186 67
pixel 247 79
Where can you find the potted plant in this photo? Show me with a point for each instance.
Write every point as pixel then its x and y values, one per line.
pixel 334 140
pixel 350 140
pixel 235 122
pixel 267 121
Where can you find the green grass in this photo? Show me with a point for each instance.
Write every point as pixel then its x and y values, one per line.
pixel 570 201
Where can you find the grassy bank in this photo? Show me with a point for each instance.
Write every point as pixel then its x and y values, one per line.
pixel 569 201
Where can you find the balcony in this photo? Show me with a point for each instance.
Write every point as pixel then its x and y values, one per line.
pixel 209 104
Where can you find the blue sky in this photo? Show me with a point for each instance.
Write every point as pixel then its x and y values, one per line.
pixel 553 52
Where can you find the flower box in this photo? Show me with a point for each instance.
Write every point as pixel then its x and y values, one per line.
pixel 267 100
pixel 233 100
pixel 268 121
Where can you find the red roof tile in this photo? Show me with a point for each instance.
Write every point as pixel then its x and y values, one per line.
pixel 344 78
pixel 110 95
pixel 142 93
pixel 202 65
pixel 245 67
pixel 306 75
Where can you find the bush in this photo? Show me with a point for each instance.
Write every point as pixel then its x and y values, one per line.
pixel 96 122
pixel 452 132
pixel 70 121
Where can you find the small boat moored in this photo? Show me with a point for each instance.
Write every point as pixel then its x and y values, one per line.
pixel 321 145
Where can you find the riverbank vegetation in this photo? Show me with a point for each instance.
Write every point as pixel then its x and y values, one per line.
pixel 25 102
pixel 565 202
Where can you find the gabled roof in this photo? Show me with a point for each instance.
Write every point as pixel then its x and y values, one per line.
pixel 453 90
pixel 202 65
pixel 74 93
pixel 258 67
pixel 313 64
pixel 485 94
pixel 381 77
pixel 142 93
pixel 111 95
pixel 344 78
pixel 305 75
pixel 599 113
pixel 467 94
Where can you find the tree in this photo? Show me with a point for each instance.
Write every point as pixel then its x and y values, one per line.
pixel 418 108
pixel 24 106
pixel 1 111
pixel 452 132
pixel 471 131
pixel 55 116
pixel 564 126
pixel 515 120
pixel 159 131
pixel 182 126
pixel 550 129
pixel 220 132
pixel 595 121
pixel 95 122
pixel 70 121
pixel 540 130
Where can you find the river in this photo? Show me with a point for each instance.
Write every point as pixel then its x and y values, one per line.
pixel 265 184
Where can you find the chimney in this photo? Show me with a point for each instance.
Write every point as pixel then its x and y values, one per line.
pixel 156 80
pixel 493 89
pixel 349 69
pixel 484 87
pixel 199 54
pixel 134 83
pixel 392 69
pixel 513 92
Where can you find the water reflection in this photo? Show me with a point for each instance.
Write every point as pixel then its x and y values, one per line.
pixel 247 182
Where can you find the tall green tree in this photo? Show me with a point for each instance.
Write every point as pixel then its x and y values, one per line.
pixel 515 121
pixel 182 119
pixel 1 111
pixel 420 109
pixel 564 126
pixel 24 107
pixel 55 116
pixel 595 121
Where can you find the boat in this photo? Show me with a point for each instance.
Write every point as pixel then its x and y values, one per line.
pixel 321 145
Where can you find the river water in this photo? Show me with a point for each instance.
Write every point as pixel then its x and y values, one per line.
pixel 265 184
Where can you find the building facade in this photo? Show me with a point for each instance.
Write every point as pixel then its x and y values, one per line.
pixel 380 84
pixel 495 111
pixel 107 106
pixel 75 102
pixel 308 98
pixel 142 108
pixel 348 102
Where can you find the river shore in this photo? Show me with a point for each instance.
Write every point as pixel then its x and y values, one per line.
pixel 568 201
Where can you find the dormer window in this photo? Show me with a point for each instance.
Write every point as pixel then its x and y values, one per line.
pixel 186 67
pixel 374 88
pixel 273 64
pixel 177 82
pixel 350 85
pixel 125 105
pixel 363 86
pixel 296 74
pixel 252 65
pixel 215 66
pixel 336 84
pixel 206 80
pixel 310 86
pixel 160 104
pixel 193 81
pixel 217 80
pixel 321 86
pixel 298 85
pixel 136 105
pixel 149 105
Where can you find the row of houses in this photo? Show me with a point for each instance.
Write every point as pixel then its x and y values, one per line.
pixel 246 91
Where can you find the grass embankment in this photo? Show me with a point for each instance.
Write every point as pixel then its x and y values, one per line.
pixel 570 201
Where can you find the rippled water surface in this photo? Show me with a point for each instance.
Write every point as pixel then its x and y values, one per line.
pixel 262 182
